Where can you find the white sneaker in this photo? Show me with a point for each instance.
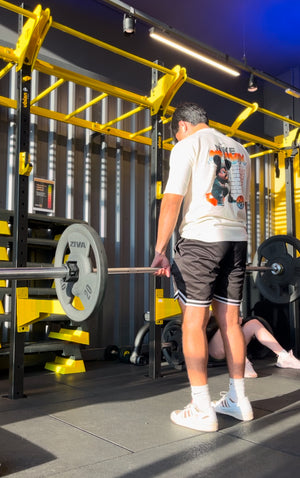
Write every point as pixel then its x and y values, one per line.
pixel 191 417
pixel 249 370
pixel 241 410
pixel 288 360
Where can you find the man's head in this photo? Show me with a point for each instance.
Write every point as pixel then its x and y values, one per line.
pixel 188 113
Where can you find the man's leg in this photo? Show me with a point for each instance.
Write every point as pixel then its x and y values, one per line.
pixel 194 342
pixel 234 343
pixel 234 403
pixel 199 414
pixel 216 347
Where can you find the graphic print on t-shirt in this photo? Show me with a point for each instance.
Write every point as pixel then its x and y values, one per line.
pixel 229 177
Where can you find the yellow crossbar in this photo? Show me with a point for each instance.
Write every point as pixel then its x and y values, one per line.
pixel 111 48
pixel 87 105
pixel 122 117
pixel 6 69
pixel 47 91
pixel 19 10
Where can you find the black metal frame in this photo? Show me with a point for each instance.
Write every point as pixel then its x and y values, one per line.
pixel 294 318
pixel 155 282
pixel 20 229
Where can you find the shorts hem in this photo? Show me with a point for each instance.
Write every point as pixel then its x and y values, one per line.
pixel 191 302
pixel 226 300
pixel 204 303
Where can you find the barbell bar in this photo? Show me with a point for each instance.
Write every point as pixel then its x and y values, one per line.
pixel 64 272
pixel 80 271
pixel 68 273
pixel 132 270
pixel 275 268
pixel 27 273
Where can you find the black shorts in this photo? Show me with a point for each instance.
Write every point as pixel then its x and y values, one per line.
pixel 203 271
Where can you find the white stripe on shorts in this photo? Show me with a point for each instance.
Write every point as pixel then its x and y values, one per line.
pixel 195 303
pixel 225 300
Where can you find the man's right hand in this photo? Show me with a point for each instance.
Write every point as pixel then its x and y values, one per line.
pixel 162 262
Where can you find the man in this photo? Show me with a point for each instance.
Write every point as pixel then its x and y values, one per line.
pixel 211 172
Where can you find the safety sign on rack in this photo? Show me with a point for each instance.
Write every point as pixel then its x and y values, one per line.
pixel 43 199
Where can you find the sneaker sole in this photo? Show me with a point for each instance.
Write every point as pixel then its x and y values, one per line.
pixel 244 418
pixel 284 366
pixel 211 427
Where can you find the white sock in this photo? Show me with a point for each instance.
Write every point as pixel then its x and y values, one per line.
pixel 236 389
pixel 283 354
pixel 201 397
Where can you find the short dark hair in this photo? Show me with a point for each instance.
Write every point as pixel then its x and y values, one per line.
pixel 190 112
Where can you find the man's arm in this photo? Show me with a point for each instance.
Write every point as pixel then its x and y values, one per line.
pixel 168 216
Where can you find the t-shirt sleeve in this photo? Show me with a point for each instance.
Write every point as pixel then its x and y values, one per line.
pixel 180 170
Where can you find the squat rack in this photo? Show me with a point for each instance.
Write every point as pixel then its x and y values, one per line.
pixel 165 84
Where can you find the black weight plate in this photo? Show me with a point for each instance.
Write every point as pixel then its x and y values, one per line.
pixel 172 335
pixel 283 287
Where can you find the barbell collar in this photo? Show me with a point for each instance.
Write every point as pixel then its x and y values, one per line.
pixel 277 269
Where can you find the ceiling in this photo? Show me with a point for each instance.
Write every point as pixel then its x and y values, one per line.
pixel 265 32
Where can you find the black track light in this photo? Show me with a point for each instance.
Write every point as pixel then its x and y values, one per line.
pixel 252 86
pixel 129 23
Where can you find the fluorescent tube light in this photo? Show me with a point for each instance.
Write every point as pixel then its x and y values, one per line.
pixel 293 93
pixel 188 51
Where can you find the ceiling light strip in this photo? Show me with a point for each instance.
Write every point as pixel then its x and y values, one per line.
pixel 188 51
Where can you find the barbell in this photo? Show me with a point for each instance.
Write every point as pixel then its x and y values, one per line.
pixel 80 270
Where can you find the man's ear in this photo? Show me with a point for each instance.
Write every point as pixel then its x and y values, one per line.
pixel 183 124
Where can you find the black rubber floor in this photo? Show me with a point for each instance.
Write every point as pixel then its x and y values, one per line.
pixel 113 421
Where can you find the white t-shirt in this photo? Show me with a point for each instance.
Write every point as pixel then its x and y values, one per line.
pixel 212 172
